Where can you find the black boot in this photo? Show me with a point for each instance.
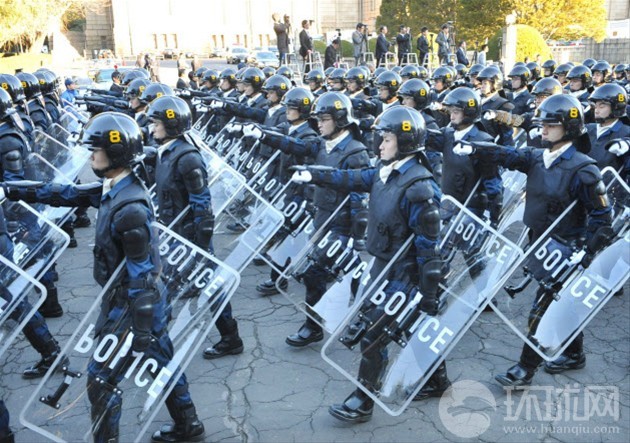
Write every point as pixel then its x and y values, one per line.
pixel 51 307
pixel 69 229
pixel 81 221
pixel 517 376
pixel 268 287
pixel 187 427
pixel 437 384
pixel 230 344
pixel 51 351
pixel 9 438
pixel 566 362
pixel 357 408
pixel 306 335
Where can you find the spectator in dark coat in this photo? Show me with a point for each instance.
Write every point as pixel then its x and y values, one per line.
pixel 331 54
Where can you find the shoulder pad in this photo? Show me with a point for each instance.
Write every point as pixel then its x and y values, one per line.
pixel 589 174
pixel 420 191
pixel 131 216
pixel 11 142
pixel 358 159
pixel 190 160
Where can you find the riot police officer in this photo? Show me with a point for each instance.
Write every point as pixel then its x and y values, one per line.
pixel 580 79
pixel 387 84
pixel 337 80
pixel 491 100
pixel 210 82
pixel 520 97
pixel 315 81
pixel 34 101
pixel 609 103
pixel 122 232
pixel 548 68
pixel 339 147
pixel 558 175
pixel 404 201
pixel 355 80
pixel 47 81
pixel 601 70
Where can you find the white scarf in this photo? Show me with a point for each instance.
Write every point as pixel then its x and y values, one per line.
pixel 549 157
pixel 458 135
pixel 275 108
pixel 330 144
pixel 109 183
pixel 164 147
pixel 578 94
pixel 603 129
pixel 294 128
pixel 386 171
pixel 252 100
pixel 485 99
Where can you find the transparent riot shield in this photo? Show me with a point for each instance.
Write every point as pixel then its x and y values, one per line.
pixel 68 161
pixel 37 242
pixel 60 134
pixel 556 297
pixel 16 288
pixel 69 120
pixel 388 347
pixel 326 274
pixel 103 371
pixel 36 168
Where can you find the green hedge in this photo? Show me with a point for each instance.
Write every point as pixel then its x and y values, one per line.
pixel 529 42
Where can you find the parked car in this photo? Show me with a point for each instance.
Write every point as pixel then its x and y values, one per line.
pixel 169 53
pixel 262 59
pixel 103 77
pixel 236 54
pixel 218 52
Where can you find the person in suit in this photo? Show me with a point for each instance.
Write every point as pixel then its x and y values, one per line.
pixel 481 56
pixel 282 36
pixel 306 45
pixel 423 44
pixel 359 42
pixel 442 40
pixel 382 45
pixel 332 50
pixel 461 53
pixel 403 40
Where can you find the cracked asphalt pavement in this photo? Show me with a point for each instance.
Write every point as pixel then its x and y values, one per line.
pixel 275 393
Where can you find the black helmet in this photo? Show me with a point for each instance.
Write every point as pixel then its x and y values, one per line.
pixel 521 72
pixel 229 74
pixel 409 72
pixel 46 81
pixel 30 84
pixel 155 90
pixel 519 64
pixel 444 74
pixel 467 100
pixel 136 88
pixel 378 71
pixel 6 104
pixel 328 71
pixel 200 71
pixel 285 71
pixel 493 74
pixel 357 75
pixel 534 68
pixel 117 134
pixel 548 68
pixel 475 70
pixel 603 67
pixel 620 68
pixel 418 90
pixel 315 76
pixel 562 69
pixel 301 99
pixel 389 80
pixel 547 86
pixel 130 76
pixel 562 109
pixel 337 105
pixel 278 83
pixel 397 69
pixel 423 73
pixel 269 71
pixel 614 94
pixel 254 77
pixel 173 112
pixel 461 70
pixel 13 86
pixel 338 75
pixel 143 73
pixel 211 76
pixel 408 126
pixel 589 62
pixel 583 73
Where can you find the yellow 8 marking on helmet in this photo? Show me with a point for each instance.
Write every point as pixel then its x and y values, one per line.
pixel 141 88
pixel 170 113
pixel 42 81
pixel 394 83
pixel 573 113
pixel 338 104
pixel 471 103
pixel 360 75
pixel 423 92
pixel 448 75
pixel 283 86
pixel 24 84
pixel 158 95
pixel 5 86
pixel 306 101
pixel 256 78
pixel 114 137
pixel 621 98
pixel 406 126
